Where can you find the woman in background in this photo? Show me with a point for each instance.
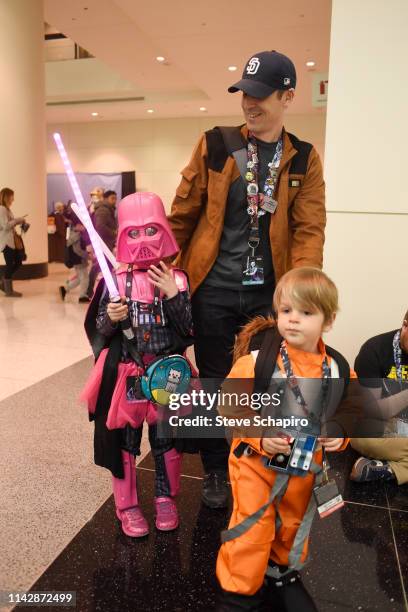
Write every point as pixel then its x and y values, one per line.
pixel 12 256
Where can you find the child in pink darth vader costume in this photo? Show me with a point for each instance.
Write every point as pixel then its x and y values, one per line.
pixel 155 298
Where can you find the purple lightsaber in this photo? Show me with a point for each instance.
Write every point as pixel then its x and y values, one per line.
pixel 95 241
pixel 93 235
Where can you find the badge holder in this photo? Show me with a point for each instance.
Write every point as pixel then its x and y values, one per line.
pixel 252 266
pixel 133 389
pixel 269 204
pixel 327 496
pixel 298 462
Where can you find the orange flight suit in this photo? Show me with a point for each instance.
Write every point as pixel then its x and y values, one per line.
pixel 242 562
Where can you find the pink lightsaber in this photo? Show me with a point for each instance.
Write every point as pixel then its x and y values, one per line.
pixel 86 219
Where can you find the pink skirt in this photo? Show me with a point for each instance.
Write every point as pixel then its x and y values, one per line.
pixel 121 411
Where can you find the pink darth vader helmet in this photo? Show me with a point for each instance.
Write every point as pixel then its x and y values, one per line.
pixel 144 234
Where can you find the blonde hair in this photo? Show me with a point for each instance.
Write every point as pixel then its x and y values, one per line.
pixel 308 288
pixel 5 194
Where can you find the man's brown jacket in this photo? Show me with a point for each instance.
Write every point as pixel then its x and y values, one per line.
pixel 197 213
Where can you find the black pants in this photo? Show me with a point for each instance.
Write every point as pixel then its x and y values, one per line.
pixel 13 261
pixel 218 315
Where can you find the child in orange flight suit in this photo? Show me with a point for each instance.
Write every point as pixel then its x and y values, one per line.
pixel 258 558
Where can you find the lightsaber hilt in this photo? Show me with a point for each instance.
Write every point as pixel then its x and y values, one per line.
pixel 130 338
pixel 125 324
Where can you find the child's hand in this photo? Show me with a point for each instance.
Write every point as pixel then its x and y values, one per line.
pixel 272 446
pixel 331 444
pixel 117 311
pixel 163 279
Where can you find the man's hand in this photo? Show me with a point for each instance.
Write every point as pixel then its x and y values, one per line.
pixel 163 279
pixel 331 444
pixel 272 446
pixel 117 311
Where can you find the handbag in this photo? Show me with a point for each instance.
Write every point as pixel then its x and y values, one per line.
pixel 19 246
pixel 165 376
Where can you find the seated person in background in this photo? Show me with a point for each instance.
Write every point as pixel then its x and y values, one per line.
pixel 380 358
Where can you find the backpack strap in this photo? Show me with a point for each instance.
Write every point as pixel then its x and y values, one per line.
pixel 298 163
pixel 233 138
pixel 266 360
pixel 344 367
pixel 236 146
pixel 222 142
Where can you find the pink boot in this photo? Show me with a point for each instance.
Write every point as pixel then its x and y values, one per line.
pixel 124 491
pixel 167 518
pixel 134 523
pixel 172 460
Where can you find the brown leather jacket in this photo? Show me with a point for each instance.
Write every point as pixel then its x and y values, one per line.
pixel 197 213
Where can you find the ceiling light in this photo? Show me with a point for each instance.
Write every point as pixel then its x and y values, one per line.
pixel 203 109
pixel 94 114
pixel 160 58
pixel 232 68
pixel 150 110
pixel 310 64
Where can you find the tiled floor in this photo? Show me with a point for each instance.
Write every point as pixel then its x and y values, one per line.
pixel 358 557
pixel 39 334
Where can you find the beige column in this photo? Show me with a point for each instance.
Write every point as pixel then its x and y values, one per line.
pixel 366 249
pixel 22 122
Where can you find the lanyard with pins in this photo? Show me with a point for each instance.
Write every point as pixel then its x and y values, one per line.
pixel 398 354
pixel 260 203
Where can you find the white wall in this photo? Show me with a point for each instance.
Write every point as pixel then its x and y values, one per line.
pixel 156 149
pixel 365 168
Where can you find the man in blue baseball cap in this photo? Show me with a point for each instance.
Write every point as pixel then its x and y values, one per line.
pixel 250 197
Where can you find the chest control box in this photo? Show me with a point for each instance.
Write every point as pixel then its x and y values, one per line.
pixel 298 462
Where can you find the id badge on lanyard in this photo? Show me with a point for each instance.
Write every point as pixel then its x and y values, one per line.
pixel 253 270
pixel 327 495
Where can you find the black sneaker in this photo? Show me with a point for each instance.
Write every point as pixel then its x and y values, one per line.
pixel 235 602
pixel 84 299
pixel 287 593
pixel 215 490
pixel 62 292
pixel 366 470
